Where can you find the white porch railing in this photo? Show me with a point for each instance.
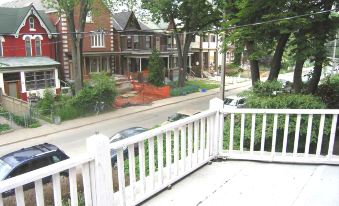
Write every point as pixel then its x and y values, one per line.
pixel 161 156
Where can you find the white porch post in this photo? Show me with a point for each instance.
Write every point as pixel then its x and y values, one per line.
pixel 23 82
pixel 190 61
pixel 100 170
pixel 216 134
pixel 57 80
pixel 2 84
pixel 168 62
pixel 140 64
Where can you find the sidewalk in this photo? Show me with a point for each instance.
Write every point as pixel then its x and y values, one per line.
pixel 47 129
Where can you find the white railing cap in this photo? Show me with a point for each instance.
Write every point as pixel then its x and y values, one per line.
pixel 280 111
pixel 43 172
pixel 160 130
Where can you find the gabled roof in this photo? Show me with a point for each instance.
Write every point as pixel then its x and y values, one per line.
pixel 14 18
pixel 121 19
pixel 24 3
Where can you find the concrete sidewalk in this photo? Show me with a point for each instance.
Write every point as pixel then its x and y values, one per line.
pixel 47 129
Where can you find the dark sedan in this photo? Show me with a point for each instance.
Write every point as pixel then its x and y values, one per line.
pixel 123 134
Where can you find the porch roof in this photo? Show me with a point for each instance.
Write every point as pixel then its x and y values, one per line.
pixel 27 62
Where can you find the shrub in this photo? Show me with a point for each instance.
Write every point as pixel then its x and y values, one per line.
pixel 203 84
pixel 100 89
pixel 156 69
pixel 45 105
pixel 281 101
pixel 267 88
pixel 4 127
pixel 328 91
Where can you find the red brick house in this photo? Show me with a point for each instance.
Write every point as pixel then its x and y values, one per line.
pixel 27 52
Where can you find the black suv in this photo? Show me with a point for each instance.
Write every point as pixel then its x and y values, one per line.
pixel 28 159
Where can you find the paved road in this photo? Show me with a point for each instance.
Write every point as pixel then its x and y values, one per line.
pixel 73 141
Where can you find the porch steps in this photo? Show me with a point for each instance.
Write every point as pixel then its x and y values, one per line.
pixel 123 84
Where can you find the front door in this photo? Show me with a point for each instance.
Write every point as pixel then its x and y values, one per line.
pixel 12 88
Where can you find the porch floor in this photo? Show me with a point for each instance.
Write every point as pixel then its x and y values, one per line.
pixel 254 183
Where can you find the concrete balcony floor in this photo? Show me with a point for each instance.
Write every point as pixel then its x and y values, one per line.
pixel 254 183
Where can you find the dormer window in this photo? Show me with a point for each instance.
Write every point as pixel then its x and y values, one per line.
pixel 31 24
pixel 89 18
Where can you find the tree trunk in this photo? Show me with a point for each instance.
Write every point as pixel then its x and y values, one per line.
pixel 314 81
pixel 297 80
pixel 183 73
pixel 254 64
pixel 276 60
pixel 201 57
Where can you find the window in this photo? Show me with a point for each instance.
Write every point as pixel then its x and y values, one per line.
pixel 39 80
pixel 37 46
pixel 136 42
pixel 129 42
pixel 169 42
pixel 148 42
pixel 205 38
pixel 31 23
pixel 212 38
pixel 89 18
pixel 28 46
pixel 1 46
pixel 98 39
pixel 193 39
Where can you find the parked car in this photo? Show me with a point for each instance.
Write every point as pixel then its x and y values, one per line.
pixel 234 102
pixel 180 115
pixel 123 134
pixel 29 159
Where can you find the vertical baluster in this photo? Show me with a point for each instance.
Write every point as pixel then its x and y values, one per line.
pixel 221 132
pixel 56 189
pixel 86 179
pixel 168 154
pixel 142 173
pixel 160 159
pixel 308 135
pixel 231 133
pixel 151 165
pixel 190 147
pixel 73 186
pixel 274 137
pixel 131 167
pixel 1 200
pixel 183 147
pixel 39 193
pixel 208 135
pixel 320 135
pixel 252 134
pixel 19 196
pixel 202 138
pixel 176 152
pixel 263 134
pixel 287 120
pixel 296 137
pixel 242 132
pixel 332 136
pixel 196 141
pixel 121 176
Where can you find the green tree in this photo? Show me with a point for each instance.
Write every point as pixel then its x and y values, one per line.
pixel 156 69
pixel 187 17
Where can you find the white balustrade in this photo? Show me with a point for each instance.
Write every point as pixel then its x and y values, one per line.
pixel 159 157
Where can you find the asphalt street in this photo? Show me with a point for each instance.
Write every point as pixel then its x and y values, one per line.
pixel 73 141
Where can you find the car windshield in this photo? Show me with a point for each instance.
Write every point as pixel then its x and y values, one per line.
pixel 115 138
pixel 231 102
pixel 4 169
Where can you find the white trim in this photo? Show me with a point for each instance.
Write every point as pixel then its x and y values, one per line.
pixel 2 39
pixel 2 85
pixel 23 81
pixel 35 13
